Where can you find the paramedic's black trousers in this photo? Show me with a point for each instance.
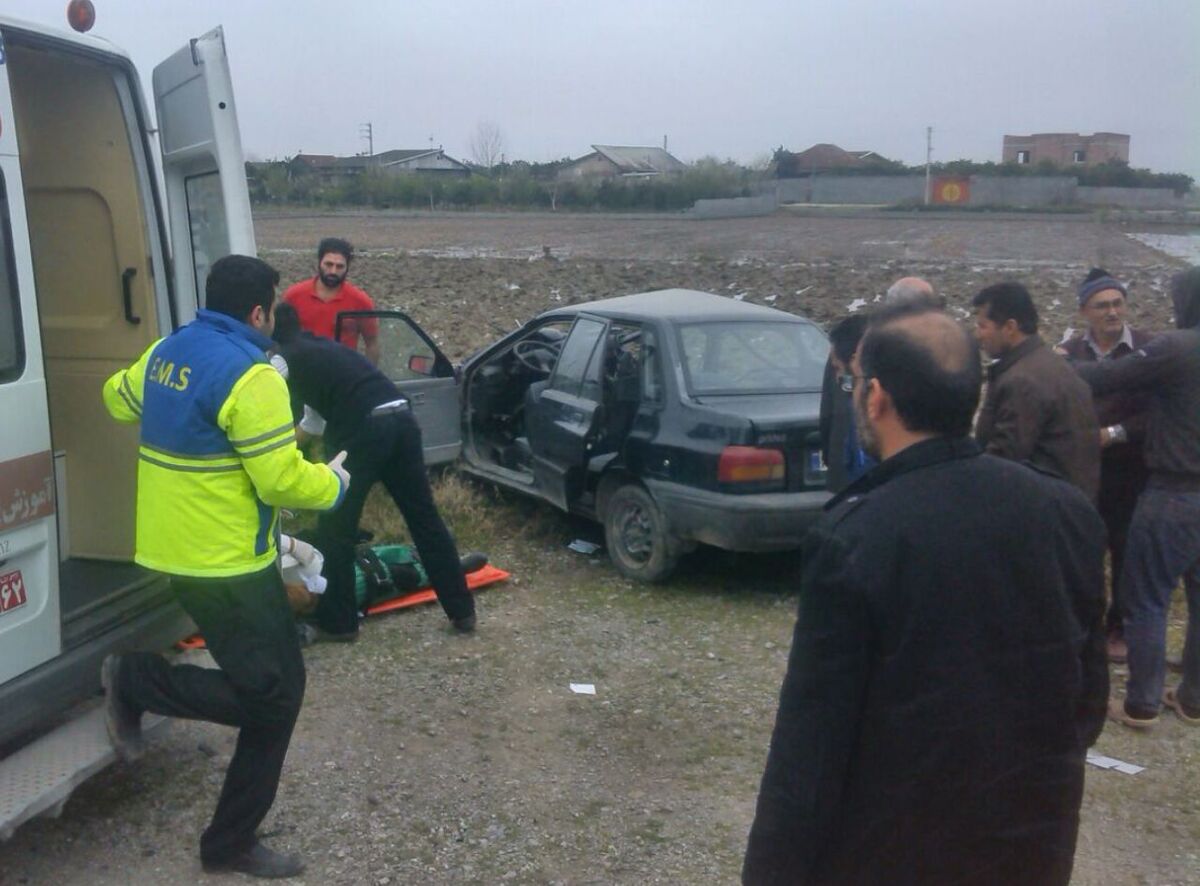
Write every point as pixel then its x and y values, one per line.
pixel 387 448
pixel 251 634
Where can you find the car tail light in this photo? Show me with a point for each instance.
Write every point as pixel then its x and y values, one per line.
pixel 749 465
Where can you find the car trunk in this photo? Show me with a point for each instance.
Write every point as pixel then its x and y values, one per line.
pixel 788 422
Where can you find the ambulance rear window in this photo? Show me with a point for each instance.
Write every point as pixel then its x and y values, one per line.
pixel 12 346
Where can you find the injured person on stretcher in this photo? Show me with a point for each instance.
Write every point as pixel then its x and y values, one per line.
pixel 381 573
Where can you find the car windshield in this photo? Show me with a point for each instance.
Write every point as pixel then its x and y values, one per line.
pixel 753 357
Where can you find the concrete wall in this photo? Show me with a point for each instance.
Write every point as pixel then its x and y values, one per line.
pixel 1000 190
pixel 879 189
pixel 1136 198
pixel 892 189
pixel 735 207
pixel 1022 191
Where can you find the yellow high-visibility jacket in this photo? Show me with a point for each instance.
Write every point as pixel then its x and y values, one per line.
pixel 217 456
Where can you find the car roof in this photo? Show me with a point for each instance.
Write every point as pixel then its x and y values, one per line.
pixel 676 305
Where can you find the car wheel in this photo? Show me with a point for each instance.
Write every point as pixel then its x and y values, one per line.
pixel 637 537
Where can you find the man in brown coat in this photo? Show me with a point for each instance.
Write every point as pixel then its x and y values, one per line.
pixel 1036 409
pixel 1122 417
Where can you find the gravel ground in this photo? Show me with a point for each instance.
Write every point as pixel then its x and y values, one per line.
pixel 425 757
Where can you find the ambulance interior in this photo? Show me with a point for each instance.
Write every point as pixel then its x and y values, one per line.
pixel 92 234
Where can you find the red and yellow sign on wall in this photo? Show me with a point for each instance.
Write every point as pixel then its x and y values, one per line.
pixel 954 190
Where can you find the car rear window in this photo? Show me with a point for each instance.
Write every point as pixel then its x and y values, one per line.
pixel 752 357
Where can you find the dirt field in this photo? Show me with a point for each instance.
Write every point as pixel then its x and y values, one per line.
pixel 467 279
pixel 425 757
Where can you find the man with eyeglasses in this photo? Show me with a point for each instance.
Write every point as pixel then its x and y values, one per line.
pixel 1122 417
pixel 844 459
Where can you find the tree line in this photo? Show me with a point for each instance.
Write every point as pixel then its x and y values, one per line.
pixel 523 185
pixel 517 185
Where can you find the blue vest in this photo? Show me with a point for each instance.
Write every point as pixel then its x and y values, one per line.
pixel 188 379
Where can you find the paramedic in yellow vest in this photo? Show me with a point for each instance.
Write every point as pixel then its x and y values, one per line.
pixel 216 461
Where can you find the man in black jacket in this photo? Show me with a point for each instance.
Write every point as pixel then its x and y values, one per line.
pixel 947 671
pixel 836 422
pixel 1164 536
pixel 367 416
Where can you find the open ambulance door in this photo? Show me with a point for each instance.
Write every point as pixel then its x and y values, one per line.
pixel 204 169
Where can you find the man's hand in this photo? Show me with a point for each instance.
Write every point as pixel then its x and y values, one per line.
pixel 335 465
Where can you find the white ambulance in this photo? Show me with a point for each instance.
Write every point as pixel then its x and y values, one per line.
pixel 96 262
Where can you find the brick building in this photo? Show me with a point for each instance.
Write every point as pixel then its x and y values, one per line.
pixel 1066 148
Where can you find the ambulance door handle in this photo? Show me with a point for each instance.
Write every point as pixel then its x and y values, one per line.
pixel 127 293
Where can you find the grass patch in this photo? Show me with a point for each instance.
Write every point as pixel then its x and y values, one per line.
pixel 478 514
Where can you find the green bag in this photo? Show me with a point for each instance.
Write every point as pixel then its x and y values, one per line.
pixel 385 571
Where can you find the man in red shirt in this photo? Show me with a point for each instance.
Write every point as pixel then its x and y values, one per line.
pixel 320 299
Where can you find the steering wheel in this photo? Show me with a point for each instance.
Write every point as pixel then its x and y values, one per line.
pixel 537 356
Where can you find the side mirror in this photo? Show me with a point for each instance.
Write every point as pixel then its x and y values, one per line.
pixel 420 364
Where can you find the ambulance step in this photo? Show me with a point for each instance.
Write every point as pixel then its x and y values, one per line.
pixel 38 779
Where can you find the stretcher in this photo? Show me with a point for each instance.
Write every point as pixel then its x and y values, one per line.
pixel 480 578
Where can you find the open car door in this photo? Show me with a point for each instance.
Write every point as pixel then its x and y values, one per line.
pixel 563 418
pixel 409 357
pixel 204 169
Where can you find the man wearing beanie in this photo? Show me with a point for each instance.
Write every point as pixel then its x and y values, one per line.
pixel 1122 417
pixel 1164 535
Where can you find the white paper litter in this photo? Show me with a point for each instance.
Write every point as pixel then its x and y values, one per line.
pixel 583 688
pixel 857 305
pixel 581 546
pixel 1112 763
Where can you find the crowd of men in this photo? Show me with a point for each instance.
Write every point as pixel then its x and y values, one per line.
pixel 949 667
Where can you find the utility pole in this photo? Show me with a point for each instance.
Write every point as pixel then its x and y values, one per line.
pixel 928 159
pixel 366 131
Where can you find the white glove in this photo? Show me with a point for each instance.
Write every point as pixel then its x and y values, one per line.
pixel 280 364
pixel 302 551
pixel 335 465
pixel 312 422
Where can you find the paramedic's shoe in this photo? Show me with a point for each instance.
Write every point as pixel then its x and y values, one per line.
pixel 259 861
pixel 123 722
pixel 464 625
pixel 473 561
pixel 310 634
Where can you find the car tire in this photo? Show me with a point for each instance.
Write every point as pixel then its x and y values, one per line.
pixel 636 535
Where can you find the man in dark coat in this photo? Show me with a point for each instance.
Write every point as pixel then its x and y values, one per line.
pixel 1035 410
pixel 844 460
pixel 947 671
pixel 1122 417
pixel 836 422
pixel 1164 536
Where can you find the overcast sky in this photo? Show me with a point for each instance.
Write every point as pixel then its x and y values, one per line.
pixel 716 77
